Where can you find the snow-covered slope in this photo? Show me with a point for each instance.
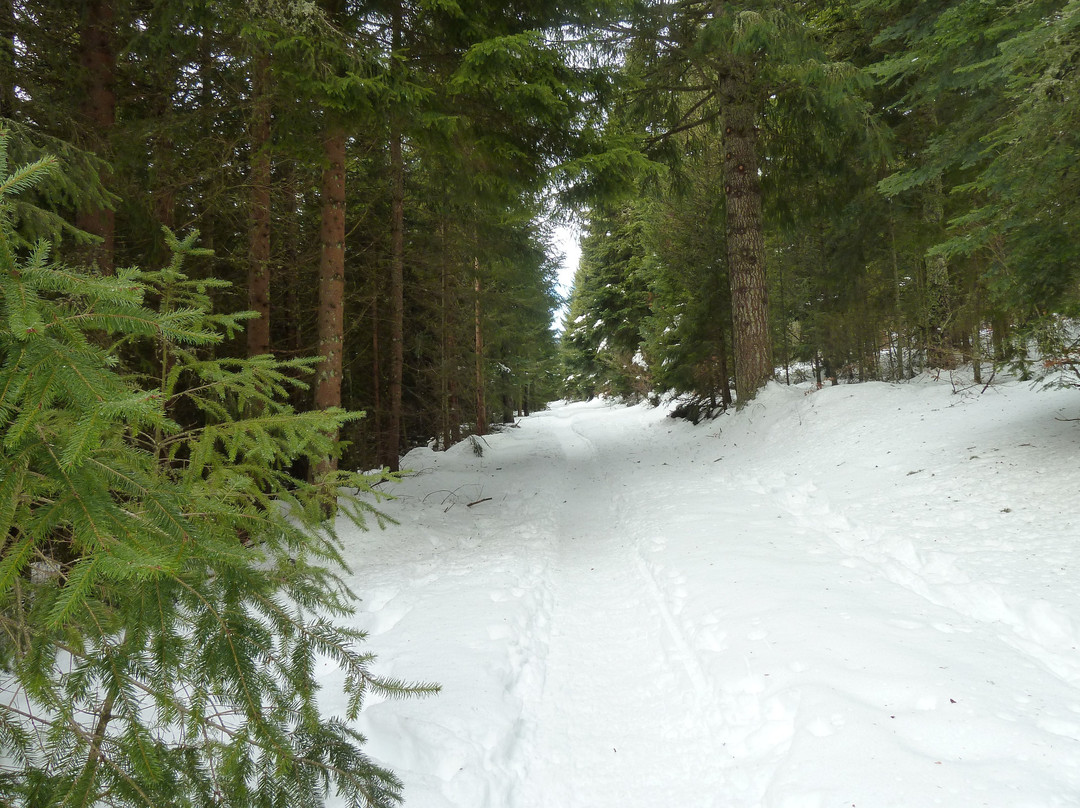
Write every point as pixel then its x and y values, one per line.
pixel 866 595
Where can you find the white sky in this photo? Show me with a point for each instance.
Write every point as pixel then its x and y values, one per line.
pixel 566 242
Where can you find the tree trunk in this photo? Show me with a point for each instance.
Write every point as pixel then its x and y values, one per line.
pixel 391 446
pixel 331 277
pixel 376 379
pixel 258 330
pixel 745 245
pixel 724 372
pixel 453 403
pixel 481 405
pixel 976 336
pixel 784 330
pixel 446 390
pixel 397 300
pixel 999 326
pixel 897 300
pixel 8 65
pixel 99 115
pixel 296 282
pixel 939 308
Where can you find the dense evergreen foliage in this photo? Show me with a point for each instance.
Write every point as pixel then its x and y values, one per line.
pixel 918 183
pixel 167 584
pixel 438 129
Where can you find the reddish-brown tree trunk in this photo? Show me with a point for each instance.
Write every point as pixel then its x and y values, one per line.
pixel 99 115
pixel 331 277
pixel 745 245
pixel 258 331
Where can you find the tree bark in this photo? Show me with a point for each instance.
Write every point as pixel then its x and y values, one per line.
pixel 391 444
pixel 258 330
pixel 99 115
pixel 481 404
pixel 8 64
pixel 376 376
pixel 331 277
pixel 724 372
pixel 445 343
pixel 745 244
pixel 397 301
pixel 897 299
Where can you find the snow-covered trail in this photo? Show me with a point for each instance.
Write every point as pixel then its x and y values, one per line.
pixel 800 605
pixel 602 737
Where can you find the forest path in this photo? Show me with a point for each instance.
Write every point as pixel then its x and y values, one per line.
pixel 784 608
pixel 626 709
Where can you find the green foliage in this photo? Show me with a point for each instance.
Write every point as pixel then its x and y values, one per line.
pixel 991 90
pixel 167 585
pixel 608 306
pixel 918 174
pixel 687 333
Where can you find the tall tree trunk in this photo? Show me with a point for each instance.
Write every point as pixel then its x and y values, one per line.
pixel 376 377
pixel 897 300
pixel 939 304
pixel 8 64
pixel 507 409
pixel 331 277
pixel 745 244
pixel 784 330
pixel 397 301
pixel 99 114
pixel 481 404
pixel 724 372
pixel 999 325
pixel 453 405
pixel 296 283
pixel 258 330
pixel 392 446
pixel 976 336
pixel 445 343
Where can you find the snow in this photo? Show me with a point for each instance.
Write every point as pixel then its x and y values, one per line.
pixel 865 595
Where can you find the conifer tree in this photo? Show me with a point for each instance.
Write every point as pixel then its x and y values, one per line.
pixel 747 70
pixel 166 583
pixel 609 305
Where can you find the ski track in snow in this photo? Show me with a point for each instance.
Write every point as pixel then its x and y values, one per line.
pixel 793 606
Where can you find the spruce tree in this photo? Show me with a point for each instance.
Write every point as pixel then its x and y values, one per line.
pixel 755 76
pixel 167 583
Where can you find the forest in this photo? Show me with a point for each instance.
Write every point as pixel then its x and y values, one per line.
pixel 854 190
pixel 251 249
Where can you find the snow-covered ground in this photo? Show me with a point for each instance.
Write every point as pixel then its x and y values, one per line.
pixel 867 595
